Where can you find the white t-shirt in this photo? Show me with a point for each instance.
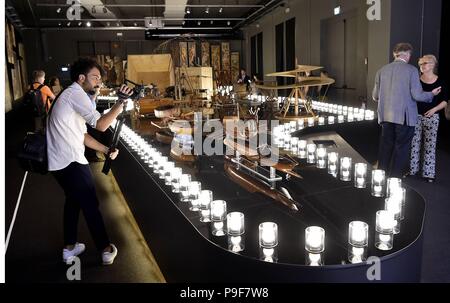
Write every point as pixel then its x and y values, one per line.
pixel 66 127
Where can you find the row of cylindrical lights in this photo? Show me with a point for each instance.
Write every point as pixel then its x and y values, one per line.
pixel 321 106
pixel 387 220
pixel 215 211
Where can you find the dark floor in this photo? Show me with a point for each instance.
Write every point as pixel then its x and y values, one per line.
pixel 34 250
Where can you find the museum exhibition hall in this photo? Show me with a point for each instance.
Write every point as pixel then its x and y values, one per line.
pixel 241 141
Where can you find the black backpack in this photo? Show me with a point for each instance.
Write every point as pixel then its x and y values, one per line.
pixel 33 101
pixel 32 153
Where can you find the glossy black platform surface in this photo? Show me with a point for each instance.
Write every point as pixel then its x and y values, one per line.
pixel 186 250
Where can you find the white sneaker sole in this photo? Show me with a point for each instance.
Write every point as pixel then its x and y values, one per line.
pixel 108 263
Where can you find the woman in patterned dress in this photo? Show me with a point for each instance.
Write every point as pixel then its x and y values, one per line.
pixel 423 149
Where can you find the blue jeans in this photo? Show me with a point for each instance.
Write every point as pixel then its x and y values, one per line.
pixel 395 147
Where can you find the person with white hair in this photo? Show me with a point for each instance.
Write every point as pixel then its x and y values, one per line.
pixel 423 151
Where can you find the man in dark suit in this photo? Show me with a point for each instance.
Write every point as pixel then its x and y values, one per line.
pixel 244 79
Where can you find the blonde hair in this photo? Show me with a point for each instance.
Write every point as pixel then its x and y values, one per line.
pixel 434 60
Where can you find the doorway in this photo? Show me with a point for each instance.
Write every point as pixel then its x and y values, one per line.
pixel 338 49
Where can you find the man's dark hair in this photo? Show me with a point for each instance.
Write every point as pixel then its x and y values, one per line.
pixel 82 67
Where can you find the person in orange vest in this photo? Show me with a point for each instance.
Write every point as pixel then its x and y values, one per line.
pixel 46 93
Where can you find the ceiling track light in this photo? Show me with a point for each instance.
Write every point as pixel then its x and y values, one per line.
pixel 212 22
pixel 207 10
pixel 58 10
pixel 228 23
pixel 88 24
pixel 68 23
pixel 199 22
pixel 108 24
pixel 220 10
pixel 79 23
pixel 188 10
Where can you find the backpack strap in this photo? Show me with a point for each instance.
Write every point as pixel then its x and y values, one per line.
pixel 37 88
pixel 54 101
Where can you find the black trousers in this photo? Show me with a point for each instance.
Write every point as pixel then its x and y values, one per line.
pixel 78 185
pixel 395 148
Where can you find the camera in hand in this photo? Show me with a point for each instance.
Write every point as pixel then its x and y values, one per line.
pixel 138 91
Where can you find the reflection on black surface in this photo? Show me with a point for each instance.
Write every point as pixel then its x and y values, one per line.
pixel 327 202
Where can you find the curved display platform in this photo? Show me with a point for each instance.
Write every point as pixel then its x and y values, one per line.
pixel 186 251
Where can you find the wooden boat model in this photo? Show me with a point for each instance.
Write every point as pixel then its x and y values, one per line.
pixel 285 164
pixel 252 184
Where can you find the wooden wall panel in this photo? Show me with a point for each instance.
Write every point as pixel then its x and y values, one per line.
pixel 183 54
pixel 225 56
pixel 235 65
pixel 192 48
pixel 206 58
pixel 215 57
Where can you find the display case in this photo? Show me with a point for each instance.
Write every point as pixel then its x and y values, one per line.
pixel 188 249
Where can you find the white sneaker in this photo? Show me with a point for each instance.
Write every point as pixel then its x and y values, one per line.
pixel 68 255
pixel 108 257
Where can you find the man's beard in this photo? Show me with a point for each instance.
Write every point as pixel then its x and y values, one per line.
pixel 93 90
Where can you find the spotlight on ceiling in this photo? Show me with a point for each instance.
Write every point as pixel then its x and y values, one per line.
pixel 207 10
pixel 135 24
pixel 118 24
pixel 220 10
pixel 188 10
pixel 88 24
pixel 68 23
pixel 228 23
pixel 58 10
pixel 199 22
pixel 59 24
pixel 337 10
pixel 184 22
pixel 79 23
pixel 212 22
pixel 108 24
